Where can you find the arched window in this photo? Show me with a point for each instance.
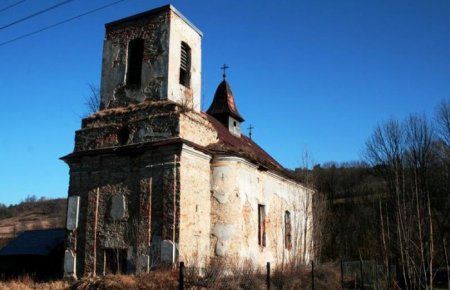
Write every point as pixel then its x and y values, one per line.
pixel 134 61
pixel 185 65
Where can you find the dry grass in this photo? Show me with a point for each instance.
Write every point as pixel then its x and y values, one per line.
pixel 28 283
pixel 215 276
pixel 247 276
pixel 163 279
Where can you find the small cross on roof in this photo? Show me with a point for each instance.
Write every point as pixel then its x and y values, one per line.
pixel 224 67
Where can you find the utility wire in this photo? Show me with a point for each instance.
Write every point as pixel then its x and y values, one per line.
pixel 35 14
pixel 12 5
pixel 61 22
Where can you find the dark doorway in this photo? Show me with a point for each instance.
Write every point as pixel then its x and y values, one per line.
pixel 115 261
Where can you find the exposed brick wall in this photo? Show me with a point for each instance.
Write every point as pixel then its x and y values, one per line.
pixel 154 29
pixel 150 121
pixel 131 177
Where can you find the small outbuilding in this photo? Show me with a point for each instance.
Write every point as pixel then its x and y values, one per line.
pixel 38 253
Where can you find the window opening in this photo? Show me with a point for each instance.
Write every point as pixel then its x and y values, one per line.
pixel 123 135
pixel 287 230
pixel 185 65
pixel 115 261
pixel 261 225
pixel 134 62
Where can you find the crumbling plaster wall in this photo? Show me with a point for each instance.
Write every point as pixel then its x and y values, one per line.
pixel 154 30
pixel 238 187
pixel 195 206
pixel 195 128
pixel 149 121
pixel 148 185
pixel 145 122
pixel 109 176
pixel 180 31
pixel 162 33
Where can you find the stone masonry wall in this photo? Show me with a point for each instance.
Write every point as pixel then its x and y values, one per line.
pixel 154 30
pixel 195 128
pixel 148 121
pixel 126 203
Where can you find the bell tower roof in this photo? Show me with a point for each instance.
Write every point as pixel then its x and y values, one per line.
pixel 223 103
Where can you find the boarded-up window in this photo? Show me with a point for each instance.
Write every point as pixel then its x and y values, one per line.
pixel 134 62
pixel 261 225
pixel 115 261
pixel 185 65
pixel 287 230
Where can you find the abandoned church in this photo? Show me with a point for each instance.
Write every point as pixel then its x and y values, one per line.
pixel 153 179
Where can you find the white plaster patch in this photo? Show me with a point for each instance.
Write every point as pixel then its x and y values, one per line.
pixel 70 263
pixel 221 197
pixel 73 208
pixel 223 232
pixel 118 207
pixel 168 251
pixel 143 264
pixel 145 132
pixel 221 248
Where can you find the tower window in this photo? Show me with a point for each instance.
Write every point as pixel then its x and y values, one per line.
pixel 123 135
pixel 185 65
pixel 287 230
pixel 134 61
pixel 261 225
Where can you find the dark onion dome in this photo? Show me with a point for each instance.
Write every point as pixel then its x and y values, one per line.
pixel 223 103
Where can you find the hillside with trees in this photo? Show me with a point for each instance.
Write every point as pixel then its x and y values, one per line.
pixel 31 214
pixel 393 207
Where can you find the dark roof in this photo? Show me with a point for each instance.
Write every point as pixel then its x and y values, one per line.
pixel 244 147
pixel 223 103
pixel 35 243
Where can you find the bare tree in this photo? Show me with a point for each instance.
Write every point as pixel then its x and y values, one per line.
pixel 403 153
pixel 311 227
pixel 385 151
pixel 443 120
pixel 92 101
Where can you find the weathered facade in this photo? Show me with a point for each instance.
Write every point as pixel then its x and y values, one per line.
pixel 155 180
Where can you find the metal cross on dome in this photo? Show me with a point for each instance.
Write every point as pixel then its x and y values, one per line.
pixel 224 67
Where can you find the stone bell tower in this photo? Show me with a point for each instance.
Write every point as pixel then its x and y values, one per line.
pixel 125 188
pixel 155 55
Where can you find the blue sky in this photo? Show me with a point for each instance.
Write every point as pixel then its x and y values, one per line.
pixel 306 74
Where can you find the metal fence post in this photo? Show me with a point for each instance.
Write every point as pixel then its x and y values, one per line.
pixel 342 275
pixel 181 277
pixel 268 276
pixel 312 275
pixel 362 278
pixel 388 275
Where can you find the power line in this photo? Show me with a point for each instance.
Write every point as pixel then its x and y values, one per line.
pixel 36 14
pixel 61 22
pixel 12 5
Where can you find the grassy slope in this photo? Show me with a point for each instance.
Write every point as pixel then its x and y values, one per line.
pixel 32 216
